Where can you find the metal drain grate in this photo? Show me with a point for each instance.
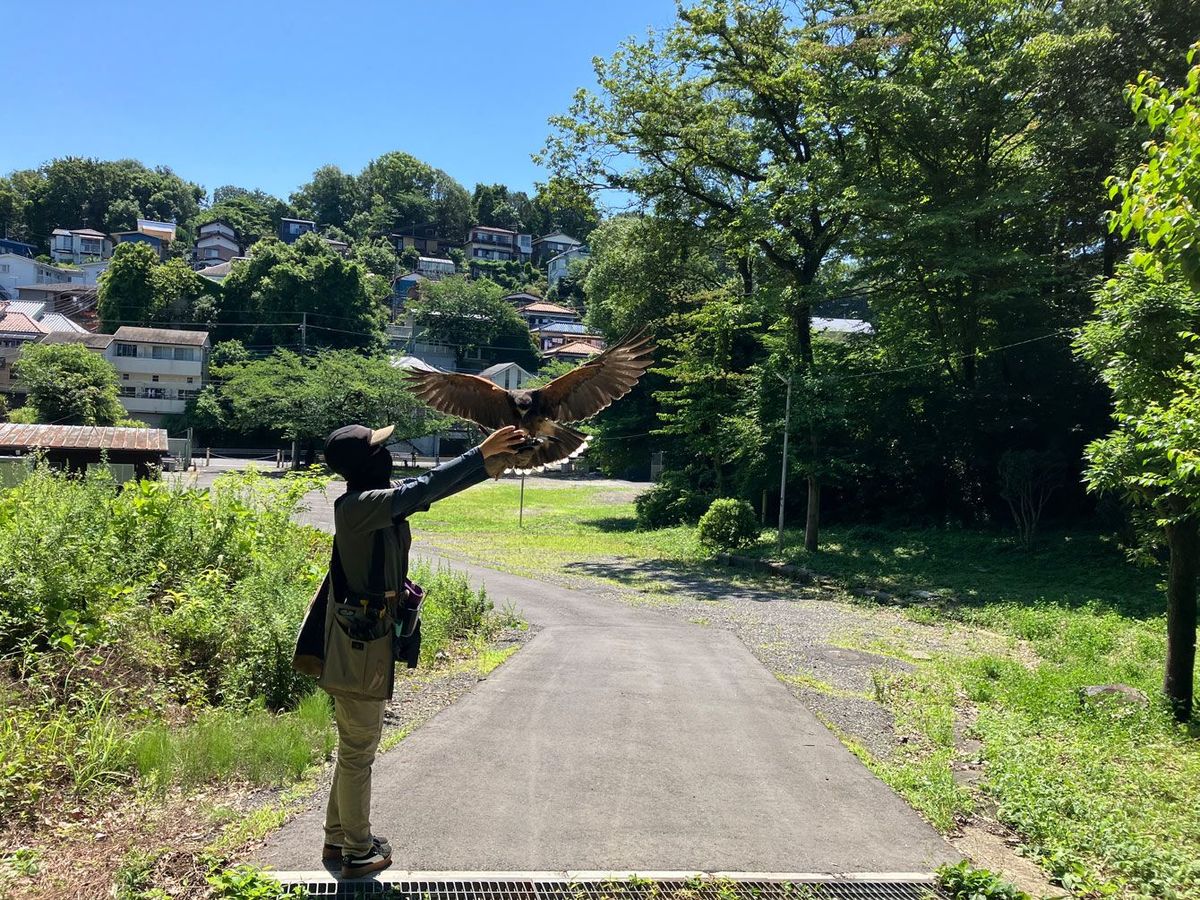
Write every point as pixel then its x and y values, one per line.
pixel 401 886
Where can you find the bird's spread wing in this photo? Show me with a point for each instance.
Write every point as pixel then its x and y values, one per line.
pixel 584 391
pixel 465 396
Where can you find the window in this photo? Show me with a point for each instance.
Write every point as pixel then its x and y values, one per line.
pixel 124 376
pixel 154 378
pixel 189 379
pixel 157 352
pixel 293 227
pixel 210 252
pixel 127 391
pixel 187 354
pixel 154 393
pixel 127 350
pixel 5 268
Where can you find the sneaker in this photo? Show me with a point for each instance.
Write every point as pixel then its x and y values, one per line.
pixel 373 860
pixel 333 852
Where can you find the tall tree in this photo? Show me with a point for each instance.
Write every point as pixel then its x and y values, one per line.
pixel 330 198
pixel 1143 339
pixel 126 294
pixel 285 286
pixel 734 120
pixel 253 214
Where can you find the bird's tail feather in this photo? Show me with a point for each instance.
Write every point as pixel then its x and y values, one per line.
pixel 561 444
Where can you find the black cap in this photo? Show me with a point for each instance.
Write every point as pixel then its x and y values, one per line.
pixel 348 447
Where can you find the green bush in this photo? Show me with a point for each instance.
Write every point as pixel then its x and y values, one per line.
pixel 453 609
pixel 673 501
pixel 963 881
pixel 729 524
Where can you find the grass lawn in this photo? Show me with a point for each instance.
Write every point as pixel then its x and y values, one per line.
pixel 1105 796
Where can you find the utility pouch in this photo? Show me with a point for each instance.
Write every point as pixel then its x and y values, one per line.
pixel 359 634
pixel 406 646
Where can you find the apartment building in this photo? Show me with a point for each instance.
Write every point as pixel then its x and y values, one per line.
pixel 160 369
pixel 18 270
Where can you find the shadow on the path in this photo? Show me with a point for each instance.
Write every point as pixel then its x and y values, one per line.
pixel 704 581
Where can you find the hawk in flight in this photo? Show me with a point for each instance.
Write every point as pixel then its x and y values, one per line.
pixel 541 412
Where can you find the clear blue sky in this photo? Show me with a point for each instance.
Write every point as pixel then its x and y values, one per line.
pixel 259 93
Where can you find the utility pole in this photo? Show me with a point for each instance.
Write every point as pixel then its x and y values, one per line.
pixel 303 333
pixel 787 421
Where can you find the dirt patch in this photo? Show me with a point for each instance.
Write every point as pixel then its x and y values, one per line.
pixel 990 846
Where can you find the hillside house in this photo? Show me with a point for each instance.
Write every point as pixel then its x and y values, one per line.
pixel 79 245
pixel 20 248
pixel 507 375
pixel 217 243
pixel 291 229
pixel 18 270
pixel 157 235
pixel 551 245
pixel 559 266
pixel 542 312
pixel 572 352
pixel 555 334
pixel 435 268
pixel 485 242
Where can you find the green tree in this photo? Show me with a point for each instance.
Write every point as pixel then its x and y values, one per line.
pixel 106 195
pixel 377 256
pixel 330 198
pixel 398 190
pixel 284 285
pixel 735 119
pixel 252 214
pixel 300 398
pixel 559 204
pixel 181 296
pixel 1143 339
pixel 126 293
pixel 69 384
pixel 472 317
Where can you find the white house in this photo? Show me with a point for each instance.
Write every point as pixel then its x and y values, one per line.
pixel 79 245
pixel 20 271
pixel 216 244
pixel 550 245
pixel 558 265
pixel 509 375
pixel 160 369
pixel 434 267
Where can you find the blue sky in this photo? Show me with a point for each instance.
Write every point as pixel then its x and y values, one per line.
pixel 259 93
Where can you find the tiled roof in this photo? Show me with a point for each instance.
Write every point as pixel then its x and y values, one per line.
pixel 19 323
pixel 82 437
pixel 161 336
pixel 575 348
pixel 549 309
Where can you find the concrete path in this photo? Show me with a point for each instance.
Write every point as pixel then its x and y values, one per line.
pixel 619 739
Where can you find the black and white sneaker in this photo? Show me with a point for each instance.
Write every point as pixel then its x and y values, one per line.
pixel 379 857
pixel 333 852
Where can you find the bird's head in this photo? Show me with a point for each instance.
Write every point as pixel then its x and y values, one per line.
pixel 524 400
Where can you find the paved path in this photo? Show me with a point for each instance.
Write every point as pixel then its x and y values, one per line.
pixel 620 739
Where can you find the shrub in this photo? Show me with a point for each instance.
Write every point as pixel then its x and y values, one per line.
pixel 453 609
pixel 963 881
pixel 729 524
pixel 673 501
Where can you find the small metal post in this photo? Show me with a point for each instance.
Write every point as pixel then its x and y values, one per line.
pixel 787 420
pixel 521 513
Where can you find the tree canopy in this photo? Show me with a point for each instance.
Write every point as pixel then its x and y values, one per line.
pixel 474 319
pixel 69 384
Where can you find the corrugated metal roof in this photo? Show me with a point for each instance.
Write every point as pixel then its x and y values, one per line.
pixel 842 326
pixel 82 437
pixel 161 335
pixel 53 322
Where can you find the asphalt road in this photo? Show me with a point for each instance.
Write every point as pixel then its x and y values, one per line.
pixel 619 739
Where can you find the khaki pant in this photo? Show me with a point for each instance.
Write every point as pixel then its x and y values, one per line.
pixel 348 815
